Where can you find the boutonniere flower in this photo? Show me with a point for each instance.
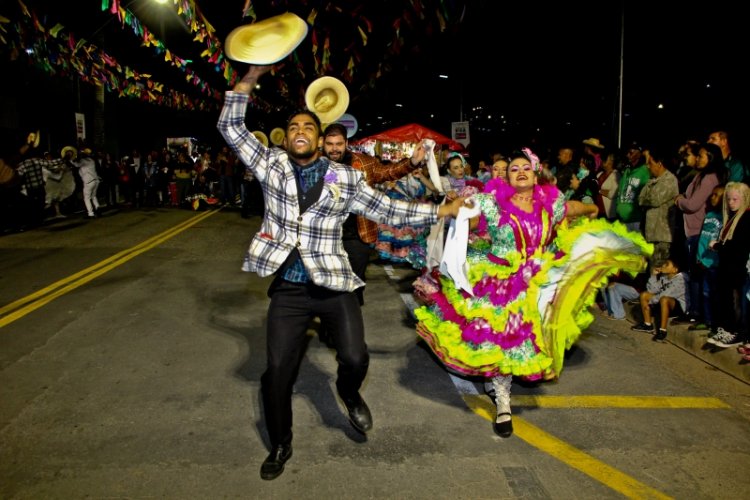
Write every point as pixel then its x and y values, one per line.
pixel 330 180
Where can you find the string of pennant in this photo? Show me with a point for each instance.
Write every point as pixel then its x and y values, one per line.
pixel 128 18
pixel 58 51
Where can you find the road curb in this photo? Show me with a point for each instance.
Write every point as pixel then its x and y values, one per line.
pixel 694 342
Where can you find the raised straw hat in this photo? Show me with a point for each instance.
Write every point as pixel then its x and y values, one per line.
pixel 267 41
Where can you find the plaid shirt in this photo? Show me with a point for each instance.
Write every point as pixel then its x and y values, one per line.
pixel 31 170
pixel 376 173
pixel 308 177
pixel 315 233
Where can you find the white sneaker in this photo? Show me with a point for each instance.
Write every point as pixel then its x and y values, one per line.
pixel 720 335
pixel 729 340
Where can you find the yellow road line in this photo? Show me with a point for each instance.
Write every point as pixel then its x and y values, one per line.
pixel 34 301
pixel 618 402
pixel 596 469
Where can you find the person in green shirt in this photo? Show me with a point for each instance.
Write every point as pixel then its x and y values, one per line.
pixel 634 177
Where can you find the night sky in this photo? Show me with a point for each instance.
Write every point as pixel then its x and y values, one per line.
pixel 521 73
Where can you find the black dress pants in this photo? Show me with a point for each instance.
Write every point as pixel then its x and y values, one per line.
pixel 292 307
pixel 359 257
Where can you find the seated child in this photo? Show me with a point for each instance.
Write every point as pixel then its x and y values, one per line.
pixel 667 287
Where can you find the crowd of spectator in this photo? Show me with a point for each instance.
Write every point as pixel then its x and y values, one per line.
pixel 690 203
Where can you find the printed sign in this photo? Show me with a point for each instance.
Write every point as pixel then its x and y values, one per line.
pixel 460 133
pixel 81 126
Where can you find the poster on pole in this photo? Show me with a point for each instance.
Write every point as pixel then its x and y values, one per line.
pixel 460 133
pixel 80 126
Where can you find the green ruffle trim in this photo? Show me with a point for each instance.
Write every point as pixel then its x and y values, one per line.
pixel 481 267
pixel 486 359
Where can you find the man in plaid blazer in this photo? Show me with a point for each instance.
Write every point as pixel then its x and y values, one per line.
pixel 308 198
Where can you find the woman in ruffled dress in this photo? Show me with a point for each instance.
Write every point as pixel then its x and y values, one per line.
pixel 528 281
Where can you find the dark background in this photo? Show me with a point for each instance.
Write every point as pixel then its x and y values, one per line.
pixel 526 73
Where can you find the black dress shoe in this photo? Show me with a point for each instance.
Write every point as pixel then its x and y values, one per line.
pixel 359 414
pixel 503 429
pixel 273 465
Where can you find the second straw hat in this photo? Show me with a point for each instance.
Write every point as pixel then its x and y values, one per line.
pixel 267 41
pixel 328 98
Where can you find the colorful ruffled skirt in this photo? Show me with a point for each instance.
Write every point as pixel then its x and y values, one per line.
pixel 525 313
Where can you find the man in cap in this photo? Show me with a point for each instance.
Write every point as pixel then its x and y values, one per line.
pixel 308 198
pixel 360 233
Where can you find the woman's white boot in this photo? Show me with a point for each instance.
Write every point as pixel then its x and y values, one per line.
pixel 503 425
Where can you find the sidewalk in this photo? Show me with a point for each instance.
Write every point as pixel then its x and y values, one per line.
pixel 727 360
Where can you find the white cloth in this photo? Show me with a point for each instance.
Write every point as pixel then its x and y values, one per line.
pixel 453 264
pixel 435 244
pixel 432 166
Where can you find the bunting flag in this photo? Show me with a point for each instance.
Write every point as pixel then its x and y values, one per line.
pixel 360 41
pixel 57 54
pixel 248 11
pixel 214 52
pixel 128 18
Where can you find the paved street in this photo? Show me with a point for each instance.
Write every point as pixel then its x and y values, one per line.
pixel 131 349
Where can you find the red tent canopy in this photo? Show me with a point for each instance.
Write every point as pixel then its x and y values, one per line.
pixel 413 133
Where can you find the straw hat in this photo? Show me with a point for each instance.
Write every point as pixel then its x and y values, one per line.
pixel 267 41
pixel 277 136
pixel 328 98
pixel 33 139
pixel 262 138
pixel 69 148
pixel 594 143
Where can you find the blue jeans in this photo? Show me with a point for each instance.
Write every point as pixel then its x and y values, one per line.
pixel 615 294
pixel 695 308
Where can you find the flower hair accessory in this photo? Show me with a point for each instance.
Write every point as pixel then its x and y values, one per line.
pixel 536 166
pixel 330 180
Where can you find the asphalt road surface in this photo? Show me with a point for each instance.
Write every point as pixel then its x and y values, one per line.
pixel 131 349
